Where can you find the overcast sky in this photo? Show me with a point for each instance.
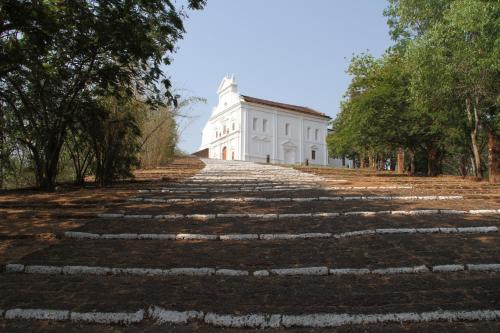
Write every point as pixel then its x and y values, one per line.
pixel 290 51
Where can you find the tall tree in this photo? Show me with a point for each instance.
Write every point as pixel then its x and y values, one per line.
pixel 56 56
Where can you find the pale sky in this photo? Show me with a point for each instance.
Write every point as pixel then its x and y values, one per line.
pixel 289 51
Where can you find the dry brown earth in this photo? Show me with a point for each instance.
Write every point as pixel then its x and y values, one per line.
pixel 32 227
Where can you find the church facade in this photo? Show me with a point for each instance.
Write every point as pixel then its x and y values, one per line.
pixel 252 129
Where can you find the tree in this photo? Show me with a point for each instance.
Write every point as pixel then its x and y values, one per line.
pixel 159 131
pixel 459 40
pixel 463 48
pixel 115 140
pixel 56 56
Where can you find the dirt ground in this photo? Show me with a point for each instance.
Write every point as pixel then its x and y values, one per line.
pixel 32 226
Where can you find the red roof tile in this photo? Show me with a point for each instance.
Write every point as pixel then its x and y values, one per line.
pixel 290 107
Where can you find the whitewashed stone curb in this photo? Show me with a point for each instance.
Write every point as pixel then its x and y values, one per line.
pixel 138 216
pixel 201 217
pixel 231 215
pixel 484 267
pixel 448 268
pixel 258 320
pixel 396 231
pixel 157 236
pixel 300 271
pixel 37 314
pixel 326 214
pixel 124 318
pixel 427 230
pixel 109 215
pixel 119 236
pixel 401 270
pixel 355 233
pixel 83 270
pixel 195 237
pixel 40 269
pixel 206 217
pixel 349 271
pixel 477 229
pixel 231 272
pixel 80 235
pixel 452 212
pixel 293 215
pixel 226 320
pixel 164 316
pixel 483 211
pixel 261 273
pixel 239 237
pixel 267 237
pixel 14 268
pixel 292 271
pixel 204 271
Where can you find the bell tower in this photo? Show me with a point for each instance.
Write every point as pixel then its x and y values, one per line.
pixel 228 94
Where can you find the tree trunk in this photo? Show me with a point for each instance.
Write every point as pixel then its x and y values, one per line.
pixel 473 121
pixel 493 159
pixel 3 154
pixel 412 162
pixel 371 161
pixel 463 166
pixel 46 163
pixel 362 162
pixel 432 155
pixel 381 163
pixel 401 161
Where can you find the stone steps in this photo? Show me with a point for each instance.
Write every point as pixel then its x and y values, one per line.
pixel 299 199
pixel 145 214
pixel 102 298
pixel 80 270
pixel 281 236
pixel 293 255
pixel 386 250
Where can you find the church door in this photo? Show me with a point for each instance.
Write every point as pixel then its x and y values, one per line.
pixel 224 153
pixel 289 156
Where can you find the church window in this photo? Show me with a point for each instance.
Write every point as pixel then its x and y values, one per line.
pixel 287 129
pixel 313 154
pixel 316 134
pixel 308 133
pixel 254 125
pixel 264 125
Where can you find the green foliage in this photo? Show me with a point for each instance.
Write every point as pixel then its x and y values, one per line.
pixel 115 140
pixel 434 93
pixel 59 57
pixel 159 132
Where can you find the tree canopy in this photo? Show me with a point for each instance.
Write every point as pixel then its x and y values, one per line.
pixel 434 93
pixel 59 60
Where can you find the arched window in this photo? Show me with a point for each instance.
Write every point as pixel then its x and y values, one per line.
pixel 264 125
pixel 254 125
pixel 287 129
pixel 316 134
pixel 308 133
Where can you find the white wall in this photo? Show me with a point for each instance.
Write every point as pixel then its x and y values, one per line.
pixel 293 147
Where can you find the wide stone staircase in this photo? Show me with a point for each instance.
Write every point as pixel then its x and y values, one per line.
pixel 243 245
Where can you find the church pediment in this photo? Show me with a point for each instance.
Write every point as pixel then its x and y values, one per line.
pixel 288 144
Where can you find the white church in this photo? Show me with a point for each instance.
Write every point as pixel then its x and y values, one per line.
pixel 253 129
